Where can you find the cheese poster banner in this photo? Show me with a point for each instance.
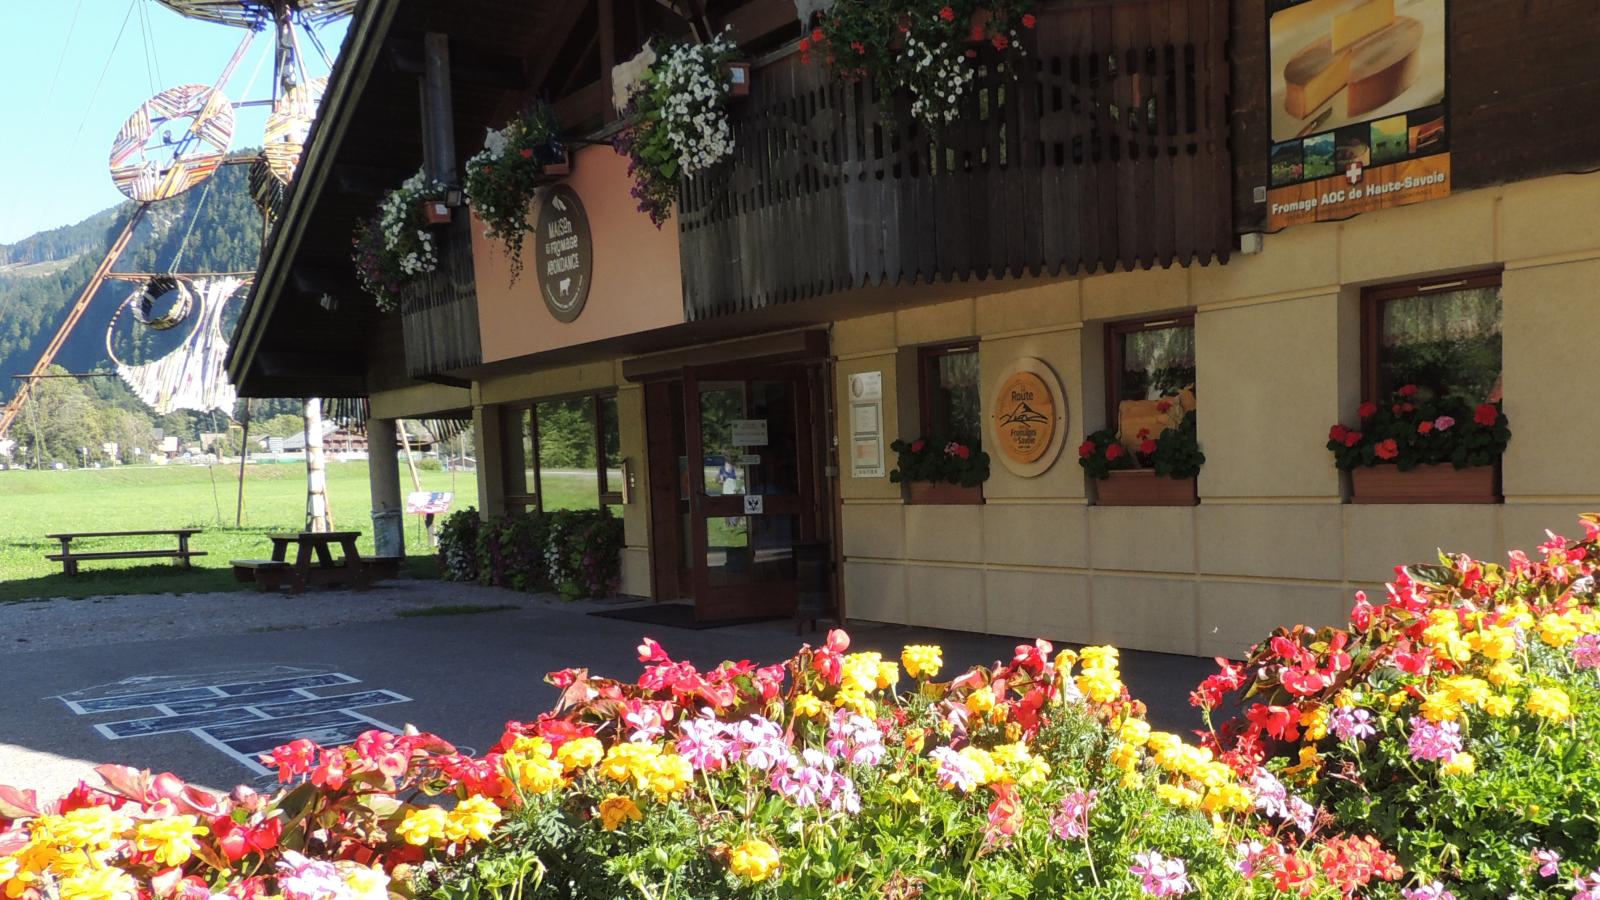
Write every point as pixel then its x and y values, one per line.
pixel 1359 107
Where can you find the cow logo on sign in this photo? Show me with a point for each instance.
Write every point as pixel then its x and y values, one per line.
pixel 1029 417
pixel 565 256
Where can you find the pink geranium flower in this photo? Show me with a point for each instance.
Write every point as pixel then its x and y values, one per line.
pixel 1162 877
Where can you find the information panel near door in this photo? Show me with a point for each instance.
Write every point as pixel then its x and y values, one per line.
pixel 750 478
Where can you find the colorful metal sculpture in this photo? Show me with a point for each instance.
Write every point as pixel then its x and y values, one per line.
pixel 172 142
pixel 288 126
pixel 252 13
pixel 194 375
pixel 143 302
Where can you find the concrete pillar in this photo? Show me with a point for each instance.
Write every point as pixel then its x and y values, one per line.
pixel 383 472
pixel 487 429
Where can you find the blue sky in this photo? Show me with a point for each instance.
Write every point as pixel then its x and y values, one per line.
pixel 58 130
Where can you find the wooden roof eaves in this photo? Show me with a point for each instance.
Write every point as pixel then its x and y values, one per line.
pixel 364 47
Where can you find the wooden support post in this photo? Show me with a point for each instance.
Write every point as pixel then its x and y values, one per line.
pixel 608 55
pixel 318 516
pixel 383 472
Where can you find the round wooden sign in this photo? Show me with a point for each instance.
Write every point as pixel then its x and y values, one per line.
pixel 565 256
pixel 1025 417
pixel 1030 417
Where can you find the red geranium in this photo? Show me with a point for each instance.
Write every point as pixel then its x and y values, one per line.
pixel 1424 426
pixel 1366 410
pixel 1295 875
pixel 1001 41
pixel 1114 451
pixel 1338 433
pixel 1085 449
pixel 1407 391
pixel 1148 447
pixel 977 32
pixel 817 36
pixel 1350 863
pixel 1387 449
pixel 1352 438
pixel 917 445
pixel 1028 21
pixel 1486 414
pixel 1282 722
pixel 1163 406
pixel 947 14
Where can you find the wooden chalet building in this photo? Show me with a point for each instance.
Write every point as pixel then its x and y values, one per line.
pixel 1159 203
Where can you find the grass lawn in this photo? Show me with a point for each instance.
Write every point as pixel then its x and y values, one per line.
pixel 129 498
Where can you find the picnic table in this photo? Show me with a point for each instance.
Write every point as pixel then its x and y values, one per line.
pixel 69 560
pixel 278 571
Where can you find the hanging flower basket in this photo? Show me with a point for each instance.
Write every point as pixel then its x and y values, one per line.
pixel 395 247
pixel 503 179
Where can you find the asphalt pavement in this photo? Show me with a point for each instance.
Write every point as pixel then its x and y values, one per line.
pixel 201 707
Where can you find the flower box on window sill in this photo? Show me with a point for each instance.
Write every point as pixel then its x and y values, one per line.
pixel 1427 484
pixel 942 493
pixel 1142 487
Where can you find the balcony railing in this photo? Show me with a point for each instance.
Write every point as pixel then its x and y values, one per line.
pixel 440 312
pixel 1106 144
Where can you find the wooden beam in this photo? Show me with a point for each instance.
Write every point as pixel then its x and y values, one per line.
pixel 582 104
pixel 438 112
pixel 468 65
pixel 760 17
pixel 608 54
pixel 546 45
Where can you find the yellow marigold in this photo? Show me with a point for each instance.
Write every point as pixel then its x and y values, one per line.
pixel 1227 796
pixel 1397 700
pixel 1499 706
pixel 1098 658
pixel 1466 690
pixel 1192 760
pixel 981 700
pixel 90 828
pixel 1551 703
pixel 755 860
pixel 888 674
pixel 616 809
pixel 862 673
pixel 807 705
pixel 1065 660
pixel 922 660
pixel 423 826
pixel 532 745
pixel 1034 771
pixel 1309 762
pixel 1557 631
pixel 1134 731
pixel 990 772
pixel 472 820
pixel 1442 625
pixel 536 774
pixel 916 739
pixel 1131 780
pixel 1344 698
pixel 1125 757
pixel 1441 707
pixel 1100 685
pixel 171 841
pixel 1214 775
pixel 1495 643
pixel 1505 674
pixel 669 775
pixel 106 883
pixel 580 753
pixel 1178 796
pixel 629 761
pixel 1315 722
pixel 1460 764
pixel 1165 747
pixel 365 883
pixel 1011 754
pixel 857 702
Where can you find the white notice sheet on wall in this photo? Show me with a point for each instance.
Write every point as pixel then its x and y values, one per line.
pixel 749 432
pixel 866 440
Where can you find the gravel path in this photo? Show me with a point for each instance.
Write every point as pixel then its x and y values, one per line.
pixel 61 623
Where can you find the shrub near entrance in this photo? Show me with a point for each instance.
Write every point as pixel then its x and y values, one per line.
pixel 1456 721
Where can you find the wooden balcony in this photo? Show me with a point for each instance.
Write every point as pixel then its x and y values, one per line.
pixel 1105 145
pixel 440 312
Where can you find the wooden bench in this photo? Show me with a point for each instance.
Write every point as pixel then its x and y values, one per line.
pixel 69 560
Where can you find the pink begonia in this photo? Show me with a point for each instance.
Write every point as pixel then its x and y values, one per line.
pixel 1072 822
pixel 1352 723
pixel 955 770
pixel 1586 652
pixel 1254 858
pixel 1431 740
pixel 1162 877
pixel 300 878
pixel 1434 891
pixel 1549 862
pixel 1443 423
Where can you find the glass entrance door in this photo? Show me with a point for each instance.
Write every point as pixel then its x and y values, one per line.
pixel 750 487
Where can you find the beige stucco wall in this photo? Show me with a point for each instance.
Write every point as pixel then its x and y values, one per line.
pixel 1277 343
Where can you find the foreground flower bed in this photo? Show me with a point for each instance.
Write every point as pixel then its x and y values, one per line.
pixel 1434 750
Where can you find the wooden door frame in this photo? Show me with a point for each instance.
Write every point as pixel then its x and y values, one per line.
pixel 709 600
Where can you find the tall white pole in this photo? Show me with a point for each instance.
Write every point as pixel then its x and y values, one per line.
pixel 318 516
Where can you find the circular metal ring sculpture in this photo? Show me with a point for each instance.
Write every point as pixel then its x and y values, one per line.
pixel 149 162
pixel 288 126
pixel 143 302
pixel 250 13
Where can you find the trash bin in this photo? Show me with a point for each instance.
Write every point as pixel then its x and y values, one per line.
pixel 813 563
pixel 388 533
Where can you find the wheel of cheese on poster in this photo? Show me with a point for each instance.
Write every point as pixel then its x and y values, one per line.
pixel 288 126
pixel 172 142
